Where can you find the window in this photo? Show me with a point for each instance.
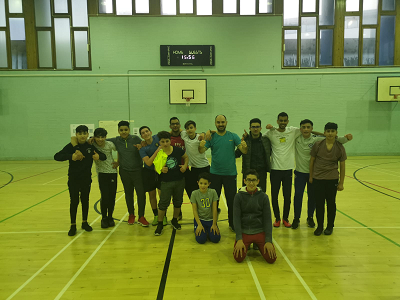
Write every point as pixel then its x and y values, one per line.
pixel 359 33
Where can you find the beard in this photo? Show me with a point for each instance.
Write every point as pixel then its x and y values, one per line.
pixel 221 128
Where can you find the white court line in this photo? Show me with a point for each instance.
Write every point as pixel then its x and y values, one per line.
pixel 52 259
pixel 294 270
pixel 253 273
pixel 54 179
pixel 12 170
pixel 88 260
pixel 38 232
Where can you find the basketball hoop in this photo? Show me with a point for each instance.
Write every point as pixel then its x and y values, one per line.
pixel 188 100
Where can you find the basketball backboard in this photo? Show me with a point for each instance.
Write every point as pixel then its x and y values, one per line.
pixel 388 89
pixel 182 89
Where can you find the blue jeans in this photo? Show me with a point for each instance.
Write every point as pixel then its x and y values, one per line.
pixel 300 181
pixel 202 238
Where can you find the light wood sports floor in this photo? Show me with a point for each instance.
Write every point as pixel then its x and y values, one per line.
pixel 38 260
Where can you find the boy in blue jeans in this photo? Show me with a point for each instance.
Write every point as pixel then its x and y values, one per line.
pixel 204 202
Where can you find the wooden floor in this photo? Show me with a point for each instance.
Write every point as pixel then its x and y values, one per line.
pixel 361 260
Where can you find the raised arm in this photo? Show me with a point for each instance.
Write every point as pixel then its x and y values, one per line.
pixel 202 147
pixel 149 160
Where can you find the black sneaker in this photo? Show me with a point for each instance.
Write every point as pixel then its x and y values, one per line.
pixel 328 231
pixel 86 226
pixel 180 216
pixel 104 223
pixel 318 231
pixel 295 223
pixel 255 246
pixel 175 224
pixel 159 229
pixel 111 222
pixel 310 222
pixel 72 230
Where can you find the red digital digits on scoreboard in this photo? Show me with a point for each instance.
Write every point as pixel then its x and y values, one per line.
pixel 187 55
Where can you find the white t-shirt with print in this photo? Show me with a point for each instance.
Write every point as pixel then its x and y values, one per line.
pixel 283 147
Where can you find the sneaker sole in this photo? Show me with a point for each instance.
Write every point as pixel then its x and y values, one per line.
pixel 177 228
pixel 143 225
pixel 158 234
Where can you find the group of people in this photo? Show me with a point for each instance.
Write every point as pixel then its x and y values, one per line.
pixel 161 162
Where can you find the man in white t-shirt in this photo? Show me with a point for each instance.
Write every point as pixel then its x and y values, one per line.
pixel 282 165
pixel 198 162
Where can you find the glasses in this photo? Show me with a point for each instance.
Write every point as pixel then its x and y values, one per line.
pixel 255 127
pixel 251 180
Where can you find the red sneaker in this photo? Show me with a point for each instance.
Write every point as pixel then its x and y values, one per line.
pixel 277 223
pixel 142 221
pixel 131 219
pixel 287 224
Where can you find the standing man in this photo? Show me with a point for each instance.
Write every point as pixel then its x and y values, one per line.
pixel 304 143
pixel 150 178
pixel 258 153
pixel 130 169
pixel 223 165
pixel 282 165
pixel 177 141
pixel 325 176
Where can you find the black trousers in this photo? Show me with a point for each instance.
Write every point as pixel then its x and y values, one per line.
pixel 108 190
pixel 191 180
pixel 325 190
pixel 262 175
pixel 277 177
pixel 79 190
pixel 132 180
pixel 230 188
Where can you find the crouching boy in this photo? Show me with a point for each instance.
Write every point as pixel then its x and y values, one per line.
pixel 204 202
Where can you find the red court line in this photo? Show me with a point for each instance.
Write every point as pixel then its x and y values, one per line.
pixel 36 175
pixel 375 185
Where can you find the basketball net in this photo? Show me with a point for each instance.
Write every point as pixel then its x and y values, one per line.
pixel 188 101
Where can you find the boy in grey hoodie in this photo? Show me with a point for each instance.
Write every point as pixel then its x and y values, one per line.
pixel 252 220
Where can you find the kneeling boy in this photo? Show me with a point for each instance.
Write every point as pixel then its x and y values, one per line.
pixel 252 220
pixel 204 202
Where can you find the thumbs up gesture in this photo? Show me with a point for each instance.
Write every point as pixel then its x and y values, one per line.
pixel 95 156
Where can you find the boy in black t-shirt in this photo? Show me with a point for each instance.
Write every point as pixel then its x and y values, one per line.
pixel 172 180
pixel 80 155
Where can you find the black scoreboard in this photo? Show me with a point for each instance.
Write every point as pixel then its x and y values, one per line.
pixel 187 55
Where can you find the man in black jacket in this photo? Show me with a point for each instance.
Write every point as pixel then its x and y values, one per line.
pixel 258 153
pixel 80 155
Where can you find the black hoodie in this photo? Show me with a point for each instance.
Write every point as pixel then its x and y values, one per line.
pixel 252 214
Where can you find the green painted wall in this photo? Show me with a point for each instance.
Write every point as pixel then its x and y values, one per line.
pixel 35 112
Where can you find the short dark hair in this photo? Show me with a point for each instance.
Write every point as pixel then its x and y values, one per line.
pixel 250 172
pixel 305 121
pixel 100 132
pixel 283 114
pixel 205 176
pixel 123 123
pixel 143 127
pixel 82 128
pixel 255 120
pixel 164 135
pixel 190 122
pixel 220 115
pixel 331 125
pixel 173 118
